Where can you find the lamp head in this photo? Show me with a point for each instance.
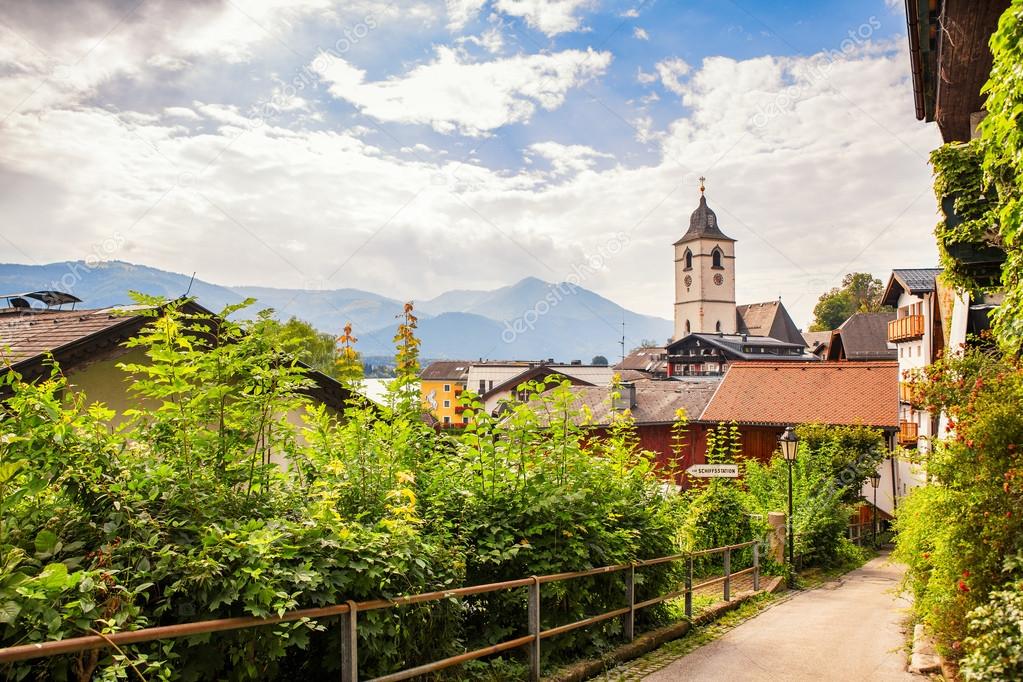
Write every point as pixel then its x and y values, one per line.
pixel 788 441
pixel 875 479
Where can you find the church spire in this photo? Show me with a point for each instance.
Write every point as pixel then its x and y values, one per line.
pixel 703 223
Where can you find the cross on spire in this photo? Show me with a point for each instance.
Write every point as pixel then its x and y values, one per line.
pixel 702 180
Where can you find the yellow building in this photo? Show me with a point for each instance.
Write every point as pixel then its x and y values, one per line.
pixel 442 385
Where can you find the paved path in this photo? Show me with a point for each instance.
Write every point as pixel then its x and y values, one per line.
pixel 848 630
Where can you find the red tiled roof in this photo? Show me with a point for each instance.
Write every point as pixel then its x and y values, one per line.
pixel 26 335
pixel 799 393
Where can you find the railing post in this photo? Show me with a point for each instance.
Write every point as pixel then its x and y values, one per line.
pixel 728 574
pixel 756 566
pixel 630 596
pixel 689 587
pixel 534 630
pixel 350 644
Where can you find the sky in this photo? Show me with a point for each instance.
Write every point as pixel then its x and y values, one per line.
pixel 417 146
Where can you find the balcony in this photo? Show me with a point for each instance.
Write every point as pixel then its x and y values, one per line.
pixel 906 328
pixel 908 432
pixel 909 392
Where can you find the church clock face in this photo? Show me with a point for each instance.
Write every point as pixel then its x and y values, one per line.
pixel 688 281
pixel 718 279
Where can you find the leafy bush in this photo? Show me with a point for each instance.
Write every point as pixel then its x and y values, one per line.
pixel 830 468
pixel 995 643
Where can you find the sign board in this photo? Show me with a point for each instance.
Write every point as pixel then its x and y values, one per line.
pixel 714 470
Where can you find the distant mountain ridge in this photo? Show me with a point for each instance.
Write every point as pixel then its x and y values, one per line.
pixel 526 320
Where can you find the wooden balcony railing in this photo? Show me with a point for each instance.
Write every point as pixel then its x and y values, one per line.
pixel 908 432
pixel 906 328
pixel 909 392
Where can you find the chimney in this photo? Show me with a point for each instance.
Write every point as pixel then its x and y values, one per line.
pixel 627 397
pixel 577 362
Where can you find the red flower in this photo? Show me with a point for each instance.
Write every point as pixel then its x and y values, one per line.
pixel 963 587
pixel 966 574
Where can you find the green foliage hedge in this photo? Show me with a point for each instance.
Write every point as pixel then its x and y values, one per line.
pixel 962 535
pixel 211 498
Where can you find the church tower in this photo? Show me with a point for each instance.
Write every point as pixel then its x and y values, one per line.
pixel 704 276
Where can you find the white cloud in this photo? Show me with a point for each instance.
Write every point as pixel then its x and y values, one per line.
pixel 644 77
pixel 640 34
pixel 548 16
pixel 461 12
pixel 490 40
pixel 568 159
pixel 473 98
pixel 669 72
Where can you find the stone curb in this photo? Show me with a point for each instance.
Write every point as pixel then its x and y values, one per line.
pixel 925 659
pixel 647 642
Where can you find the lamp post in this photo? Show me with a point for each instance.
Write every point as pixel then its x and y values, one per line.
pixel 875 481
pixel 788 443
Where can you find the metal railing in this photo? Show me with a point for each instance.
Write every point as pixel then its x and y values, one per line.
pixel 348 616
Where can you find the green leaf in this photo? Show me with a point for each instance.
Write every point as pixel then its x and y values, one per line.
pixel 9 611
pixel 46 543
pixel 53 577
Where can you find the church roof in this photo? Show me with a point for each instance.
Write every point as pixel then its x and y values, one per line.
pixel 703 224
pixel 768 319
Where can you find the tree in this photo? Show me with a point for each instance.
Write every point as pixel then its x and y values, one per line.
pixel 300 338
pixel 860 293
pixel 599 360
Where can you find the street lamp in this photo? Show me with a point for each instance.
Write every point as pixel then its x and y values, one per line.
pixel 875 481
pixel 788 441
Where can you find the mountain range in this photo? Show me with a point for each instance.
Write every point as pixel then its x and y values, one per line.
pixel 530 319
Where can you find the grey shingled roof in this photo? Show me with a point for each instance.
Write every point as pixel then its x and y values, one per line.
pixel 864 336
pixel 441 370
pixel 644 360
pixel 732 344
pixel 913 280
pixel 918 280
pixel 768 319
pixel 657 402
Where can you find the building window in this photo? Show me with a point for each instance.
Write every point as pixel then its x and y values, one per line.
pixel 483 386
pixel 687 326
pixel 447 388
pixel 689 259
pixel 717 327
pixel 716 259
pixel 465 420
pixel 447 403
pixel 447 420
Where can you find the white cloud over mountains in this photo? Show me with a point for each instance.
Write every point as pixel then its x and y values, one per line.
pixel 815 171
pixel 452 94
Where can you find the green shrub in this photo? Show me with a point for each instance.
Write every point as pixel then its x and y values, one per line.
pixel 830 468
pixel 995 644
